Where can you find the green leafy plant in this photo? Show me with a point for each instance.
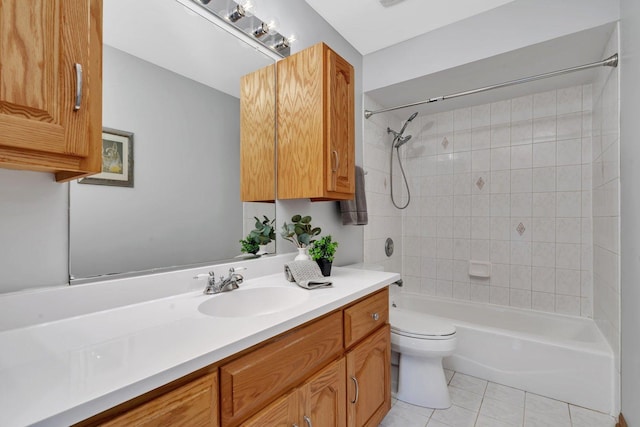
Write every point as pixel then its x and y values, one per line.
pixel 264 232
pixel 323 248
pixel 249 245
pixel 300 232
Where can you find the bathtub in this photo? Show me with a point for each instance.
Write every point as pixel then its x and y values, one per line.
pixel 562 357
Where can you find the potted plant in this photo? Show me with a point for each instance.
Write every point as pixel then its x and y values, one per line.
pixel 300 232
pixel 264 233
pixel 249 245
pixel 323 252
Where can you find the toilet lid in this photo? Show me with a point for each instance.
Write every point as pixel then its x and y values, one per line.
pixel 420 325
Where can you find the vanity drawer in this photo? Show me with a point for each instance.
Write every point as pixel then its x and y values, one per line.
pixel 253 380
pixel 365 316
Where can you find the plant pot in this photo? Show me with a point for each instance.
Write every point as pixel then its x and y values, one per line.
pixel 325 266
pixel 263 250
pixel 303 255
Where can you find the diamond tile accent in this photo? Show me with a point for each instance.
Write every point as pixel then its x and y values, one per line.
pixel 480 183
pixel 520 229
pixel 445 142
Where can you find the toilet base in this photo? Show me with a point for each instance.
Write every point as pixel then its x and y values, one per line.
pixel 421 382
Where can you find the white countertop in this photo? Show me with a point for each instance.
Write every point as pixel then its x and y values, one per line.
pixel 63 371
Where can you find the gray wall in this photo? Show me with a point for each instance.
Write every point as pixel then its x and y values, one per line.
pixel 33 230
pixel 185 206
pixel 630 215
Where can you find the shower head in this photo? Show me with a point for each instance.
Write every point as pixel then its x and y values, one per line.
pixel 413 116
pixel 401 141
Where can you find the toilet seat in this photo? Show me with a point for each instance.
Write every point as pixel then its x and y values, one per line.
pixel 420 326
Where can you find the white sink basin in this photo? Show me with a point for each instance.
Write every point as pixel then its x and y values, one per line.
pixel 253 301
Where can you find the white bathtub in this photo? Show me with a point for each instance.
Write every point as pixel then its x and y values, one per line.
pixel 562 357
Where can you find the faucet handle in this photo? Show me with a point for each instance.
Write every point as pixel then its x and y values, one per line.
pixel 236 269
pixel 211 274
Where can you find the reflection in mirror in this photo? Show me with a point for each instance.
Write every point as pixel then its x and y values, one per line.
pixel 172 79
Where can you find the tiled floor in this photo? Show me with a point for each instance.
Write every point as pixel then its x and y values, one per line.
pixel 480 403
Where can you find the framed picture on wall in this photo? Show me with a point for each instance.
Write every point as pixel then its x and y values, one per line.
pixel 117 160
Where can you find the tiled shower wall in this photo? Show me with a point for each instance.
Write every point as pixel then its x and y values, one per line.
pixel 507 183
pixel 606 202
pixel 385 221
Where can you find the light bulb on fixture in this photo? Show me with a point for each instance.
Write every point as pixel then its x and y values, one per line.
pixel 282 44
pixel 238 13
pixel 274 26
pixel 262 29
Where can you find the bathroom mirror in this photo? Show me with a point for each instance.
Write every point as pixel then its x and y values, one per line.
pixel 172 79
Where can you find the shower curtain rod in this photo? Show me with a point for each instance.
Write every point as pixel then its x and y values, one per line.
pixel 611 61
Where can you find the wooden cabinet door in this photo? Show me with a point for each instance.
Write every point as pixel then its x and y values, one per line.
pixel 192 405
pixel 257 136
pixel 316 134
pixel 281 413
pixel 44 47
pixel 323 398
pixel 369 379
pixel 340 124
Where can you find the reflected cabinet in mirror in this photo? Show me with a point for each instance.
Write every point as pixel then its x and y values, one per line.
pixel 171 79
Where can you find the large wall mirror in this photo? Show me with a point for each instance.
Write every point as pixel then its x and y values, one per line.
pixel 172 79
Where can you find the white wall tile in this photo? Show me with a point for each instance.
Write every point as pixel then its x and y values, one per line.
pixel 500 135
pixel 522 132
pixel 544 204
pixel 569 100
pixel 569 126
pixel 544 179
pixel 481 115
pixel 462 119
pixel 544 154
pixel 501 112
pixel 544 104
pixel 462 140
pixel 522 108
pixel 544 129
pixel 500 158
pixel 569 152
pixel 521 156
pixel 521 181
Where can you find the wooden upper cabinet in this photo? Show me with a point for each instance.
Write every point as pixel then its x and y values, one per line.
pixel 316 135
pixel 257 136
pixel 44 47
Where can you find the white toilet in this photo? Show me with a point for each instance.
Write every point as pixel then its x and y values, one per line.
pixel 422 342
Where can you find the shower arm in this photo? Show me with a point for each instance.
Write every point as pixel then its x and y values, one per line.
pixel 611 61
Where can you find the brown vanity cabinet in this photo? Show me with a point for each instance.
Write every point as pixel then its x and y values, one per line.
pixel 51 86
pixel 310 375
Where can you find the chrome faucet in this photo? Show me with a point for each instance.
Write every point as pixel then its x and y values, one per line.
pixel 225 284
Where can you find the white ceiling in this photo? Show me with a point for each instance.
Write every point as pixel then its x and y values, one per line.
pixel 369 26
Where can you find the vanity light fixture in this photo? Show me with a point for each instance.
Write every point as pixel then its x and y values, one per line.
pixel 241 19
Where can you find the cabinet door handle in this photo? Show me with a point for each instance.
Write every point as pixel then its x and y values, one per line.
pixel 308 421
pixel 78 68
pixel 336 159
pixel 355 382
pixel 375 316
